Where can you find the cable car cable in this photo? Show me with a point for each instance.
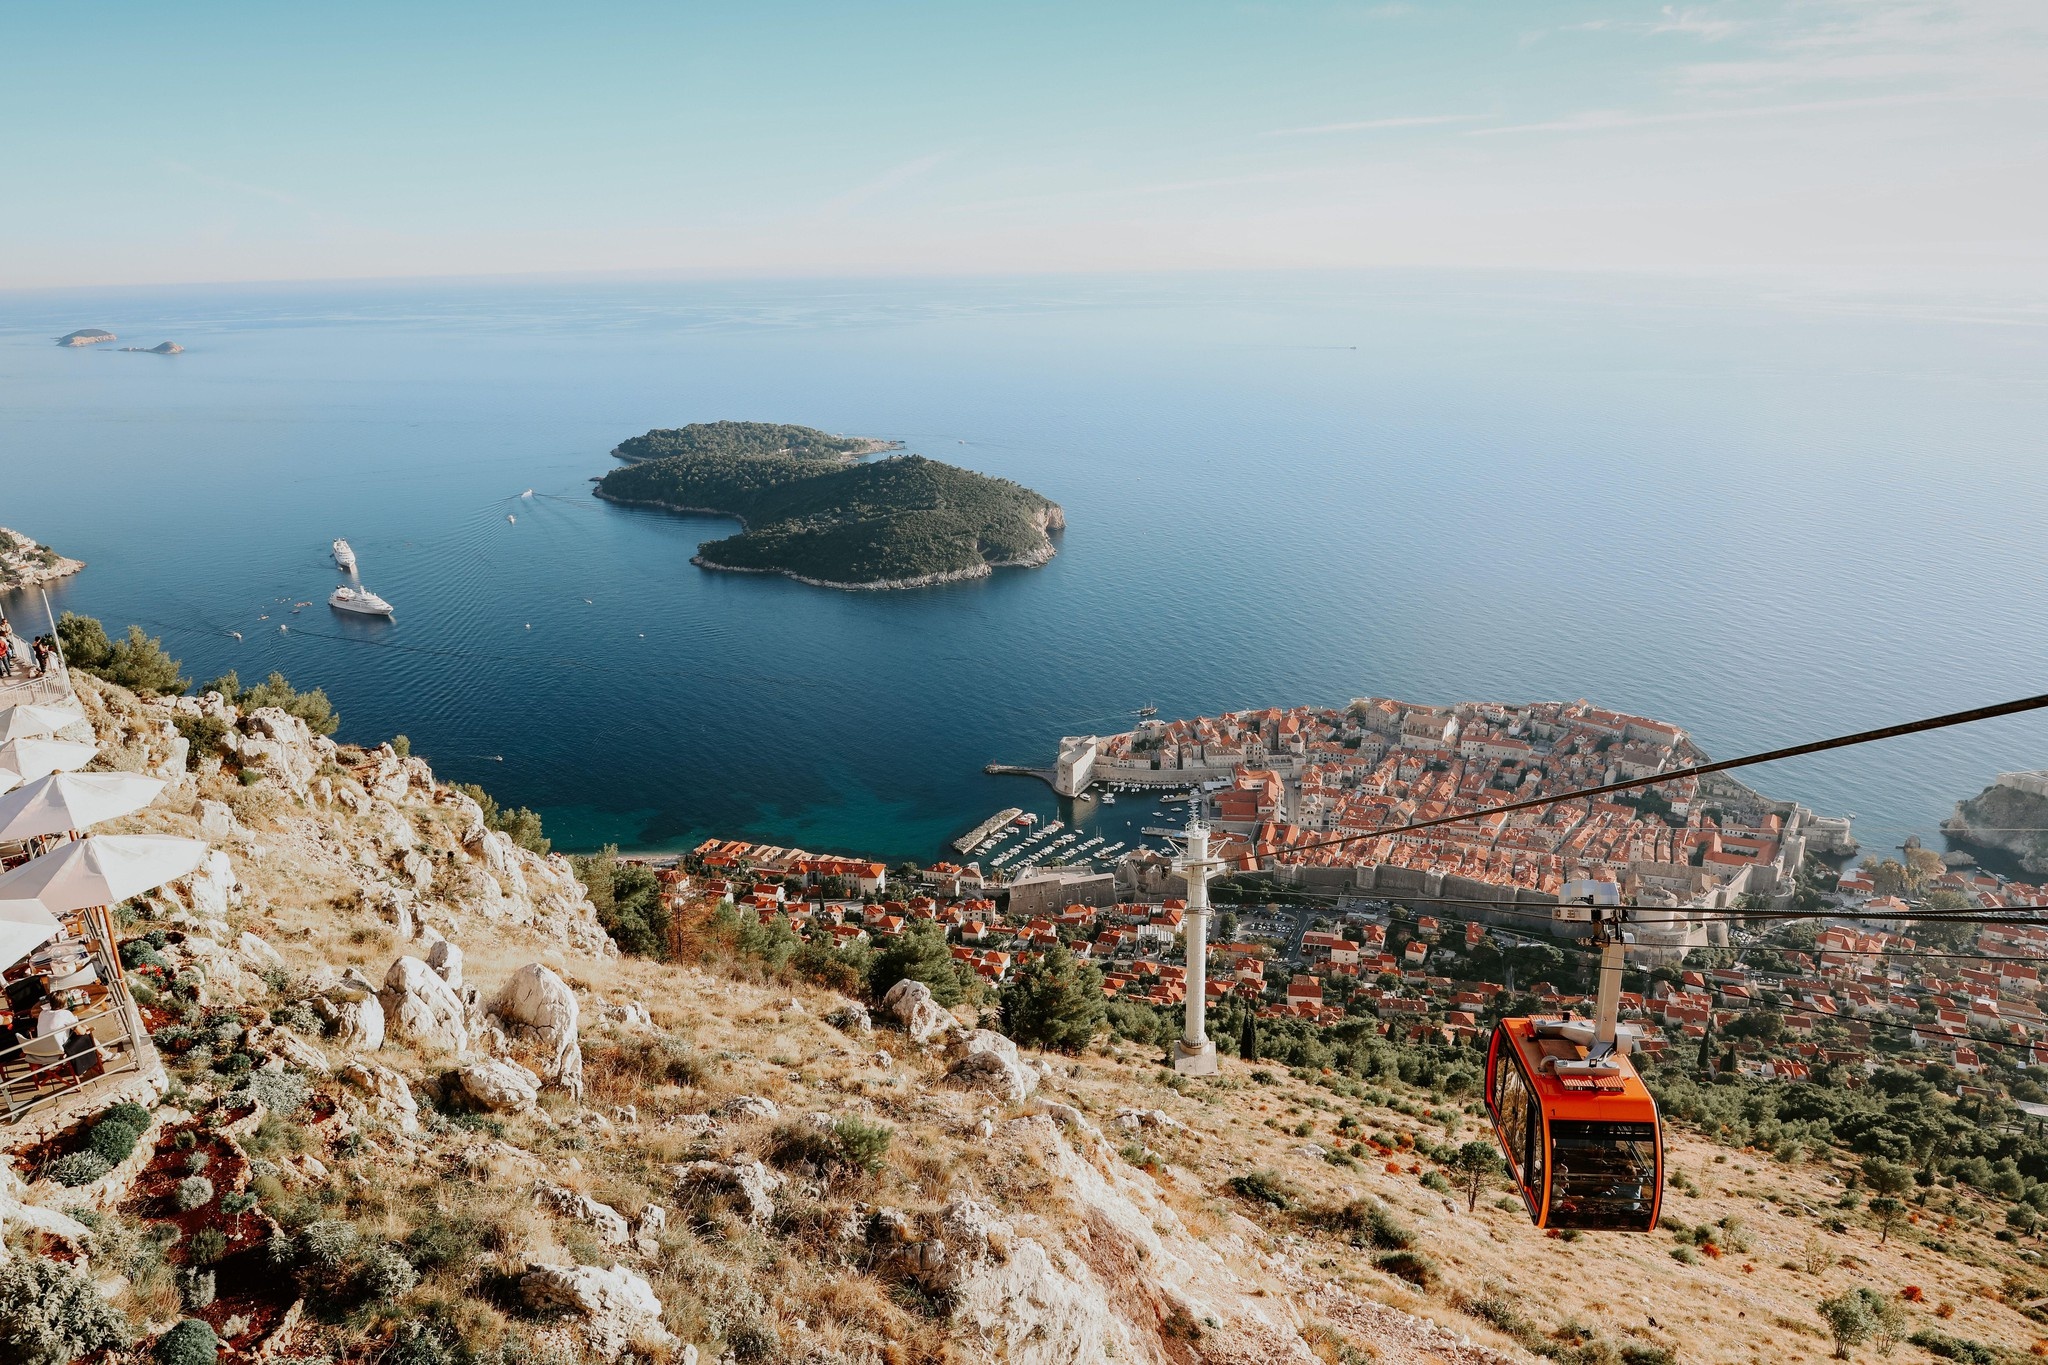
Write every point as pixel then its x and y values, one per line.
pixel 1819 746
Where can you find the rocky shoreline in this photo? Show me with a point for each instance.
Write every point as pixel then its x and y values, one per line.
pixel 24 563
pixel 2007 819
pixel 986 569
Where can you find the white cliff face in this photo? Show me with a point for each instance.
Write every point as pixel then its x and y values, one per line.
pixel 1042 1301
pixel 419 852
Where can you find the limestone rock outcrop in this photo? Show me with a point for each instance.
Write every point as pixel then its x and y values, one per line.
pixel 989 1062
pixel 419 1008
pixel 497 1085
pixel 616 1307
pixel 537 1006
pixel 389 1098
pixel 751 1181
pixel 910 1004
pixel 607 1222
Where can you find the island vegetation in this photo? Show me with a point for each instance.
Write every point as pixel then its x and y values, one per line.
pixel 816 511
pixel 746 439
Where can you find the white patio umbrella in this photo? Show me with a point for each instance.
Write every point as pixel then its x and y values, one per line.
pixel 35 722
pixel 68 801
pixel 104 869
pixel 23 925
pixel 24 760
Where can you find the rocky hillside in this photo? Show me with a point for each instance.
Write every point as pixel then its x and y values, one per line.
pixel 421 1112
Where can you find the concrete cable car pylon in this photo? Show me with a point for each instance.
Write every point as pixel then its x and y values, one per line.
pixel 1194 1052
pixel 1604 1037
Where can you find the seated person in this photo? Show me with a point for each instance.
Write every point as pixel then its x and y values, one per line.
pixel 11 1036
pixel 55 1020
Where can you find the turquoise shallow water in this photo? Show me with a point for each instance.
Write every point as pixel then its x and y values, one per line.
pixel 1760 517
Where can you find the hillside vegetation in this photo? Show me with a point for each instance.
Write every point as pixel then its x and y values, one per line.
pixel 814 512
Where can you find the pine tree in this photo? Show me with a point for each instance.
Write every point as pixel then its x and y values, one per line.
pixel 1055 1003
pixel 1248 1037
pixel 1707 1046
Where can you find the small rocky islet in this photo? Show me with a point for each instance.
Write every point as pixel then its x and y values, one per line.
pixel 813 506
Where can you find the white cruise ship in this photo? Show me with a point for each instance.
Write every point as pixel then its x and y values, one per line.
pixel 359 600
pixel 344 556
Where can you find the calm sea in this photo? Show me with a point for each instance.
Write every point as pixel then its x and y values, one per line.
pixel 1763 517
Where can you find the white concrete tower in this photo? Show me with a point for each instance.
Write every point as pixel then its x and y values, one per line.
pixel 1194 1053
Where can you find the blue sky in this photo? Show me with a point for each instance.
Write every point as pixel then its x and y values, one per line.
pixel 1871 141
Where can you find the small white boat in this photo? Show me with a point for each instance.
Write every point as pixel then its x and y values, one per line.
pixel 527 494
pixel 359 600
pixel 344 556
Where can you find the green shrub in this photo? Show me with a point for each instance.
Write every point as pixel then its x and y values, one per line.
pixel 50 1314
pixel 445 1239
pixel 385 1274
pixel 627 898
pixel 1953 1348
pixel 208 1246
pixel 311 707
pixel 79 1168
pixel 197 1286
pixel 130 1113
pixel 419 1343
pixel 1367 1222
pixel 1265 1187
pixel 283 1093
pixel 753 1339
pixel 194 1192
pixel 521 824
pixel 1642 1353
pixel 203 738
pixel 191 1342
pixel 860 1144
pixel 1412 1266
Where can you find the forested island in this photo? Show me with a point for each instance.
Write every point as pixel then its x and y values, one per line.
pixel 812 508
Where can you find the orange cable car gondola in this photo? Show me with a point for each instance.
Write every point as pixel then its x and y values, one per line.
pixel 1578 1127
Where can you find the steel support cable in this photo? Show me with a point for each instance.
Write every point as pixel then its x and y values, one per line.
pixel 1819 746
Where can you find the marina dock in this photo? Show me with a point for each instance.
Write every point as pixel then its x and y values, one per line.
pixel 966 842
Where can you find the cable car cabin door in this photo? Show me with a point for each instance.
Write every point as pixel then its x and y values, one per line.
pixel 1592 1161
pixel 1517 1121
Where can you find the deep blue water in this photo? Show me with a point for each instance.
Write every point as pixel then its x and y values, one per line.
pixel 1764 518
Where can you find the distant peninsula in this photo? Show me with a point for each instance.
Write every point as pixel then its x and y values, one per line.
pixel 161 348
pixel 2009 816
pixel 24 563
pixel 814 509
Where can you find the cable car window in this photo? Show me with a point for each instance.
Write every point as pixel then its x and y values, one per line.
pixel 1604 1175
pixel 1511 1104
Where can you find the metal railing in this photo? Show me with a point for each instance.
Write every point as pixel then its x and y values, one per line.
pixel 49 1081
